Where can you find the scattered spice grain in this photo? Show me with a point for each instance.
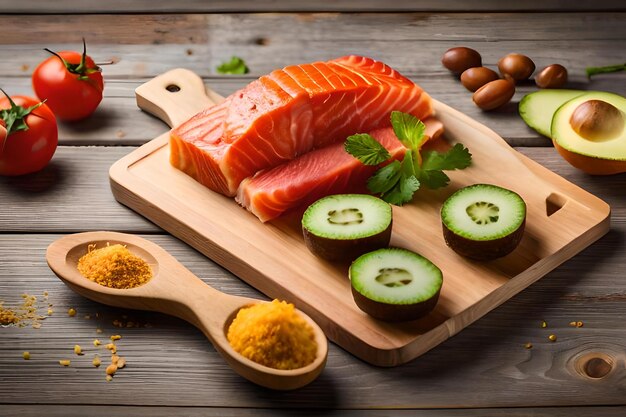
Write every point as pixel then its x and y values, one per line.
pixel 71 312
pixel 65 362
pixel 121 362
pixel 111 369
pixel 109 378
pixel 273 334
pixel 78 350
pixel 579 324
pixel 26 355
pixel 7 316
pixel 544 324
pixel 528 345
pixel 552 338
pixel 115 337
pixel 96 342
pixel 114 266
pixel 96 361
pixel 22 315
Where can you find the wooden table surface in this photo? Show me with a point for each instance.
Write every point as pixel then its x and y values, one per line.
pixel 171 368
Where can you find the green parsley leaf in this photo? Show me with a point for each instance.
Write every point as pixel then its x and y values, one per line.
pixel 366 149
pixel 385 178
pixel 236 65
pixel 402 192
pixel 409 129
pixel 458 157
pixel 433 179
pixel 397 182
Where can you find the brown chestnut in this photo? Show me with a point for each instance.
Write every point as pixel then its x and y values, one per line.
pixel 552 76
pixel 461 58
pixel 474 78
pixel 494 94
pixel 517 67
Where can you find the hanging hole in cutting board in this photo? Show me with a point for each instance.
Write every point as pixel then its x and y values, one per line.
pixel 173 88
pixel 554 203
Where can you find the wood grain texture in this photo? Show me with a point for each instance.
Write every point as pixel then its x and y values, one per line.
pixel 119 122
pixel 273 258
pixel 486 365
pixel 75 191
pixel 108 411
pixel 221 6
pixel 171 367
pixel 145 46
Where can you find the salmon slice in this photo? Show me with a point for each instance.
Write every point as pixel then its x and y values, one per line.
pixel 287 113
pixel 322 172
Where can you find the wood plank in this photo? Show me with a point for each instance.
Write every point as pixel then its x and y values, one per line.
pixel 109 410
pixel 119 122
pixel 486 365
pixel 74 189
pixel 71 194
pixel 260 28
pixel 222 6
pixel 417 57
pixel 144 46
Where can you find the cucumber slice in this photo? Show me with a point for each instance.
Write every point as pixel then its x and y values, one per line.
pixel 344 226
pixel 395 284
pixel 483 221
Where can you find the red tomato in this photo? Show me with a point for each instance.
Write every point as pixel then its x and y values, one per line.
pixel 31 147
pixel 3 134
pixel 71 83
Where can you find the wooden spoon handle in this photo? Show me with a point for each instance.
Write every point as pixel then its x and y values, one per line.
pixel 173 96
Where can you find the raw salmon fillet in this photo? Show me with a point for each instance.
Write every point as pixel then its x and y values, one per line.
pixel 286 114
pixel 322 172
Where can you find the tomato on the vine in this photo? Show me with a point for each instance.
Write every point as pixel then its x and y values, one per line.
pixel 70 82
pixel 31 135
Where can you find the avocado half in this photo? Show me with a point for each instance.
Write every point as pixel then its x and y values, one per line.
pixel 603 153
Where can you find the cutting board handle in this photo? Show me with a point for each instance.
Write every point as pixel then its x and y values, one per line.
pixel 174 96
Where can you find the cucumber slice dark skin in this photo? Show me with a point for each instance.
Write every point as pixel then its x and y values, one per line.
pixel 500 212
pixel 341 227
pixel 394 284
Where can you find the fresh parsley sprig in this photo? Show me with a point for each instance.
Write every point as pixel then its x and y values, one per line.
pixel 236 65
pixel 397 181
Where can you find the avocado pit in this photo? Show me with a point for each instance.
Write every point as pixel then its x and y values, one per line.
pixel 597 120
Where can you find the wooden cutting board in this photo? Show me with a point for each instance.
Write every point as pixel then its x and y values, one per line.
pixel 562 220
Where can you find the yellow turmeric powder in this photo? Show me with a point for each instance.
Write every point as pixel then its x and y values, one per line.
pixel 114 266
pixel 7 316
pixel 273 334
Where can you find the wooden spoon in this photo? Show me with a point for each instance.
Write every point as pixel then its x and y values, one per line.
pixel 174 290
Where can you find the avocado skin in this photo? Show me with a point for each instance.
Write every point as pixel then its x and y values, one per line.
pixel 395 312
pixel 483 250
pixel 348 249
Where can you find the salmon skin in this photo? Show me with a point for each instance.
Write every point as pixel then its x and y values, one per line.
pixel 321 172
pixel 287 113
